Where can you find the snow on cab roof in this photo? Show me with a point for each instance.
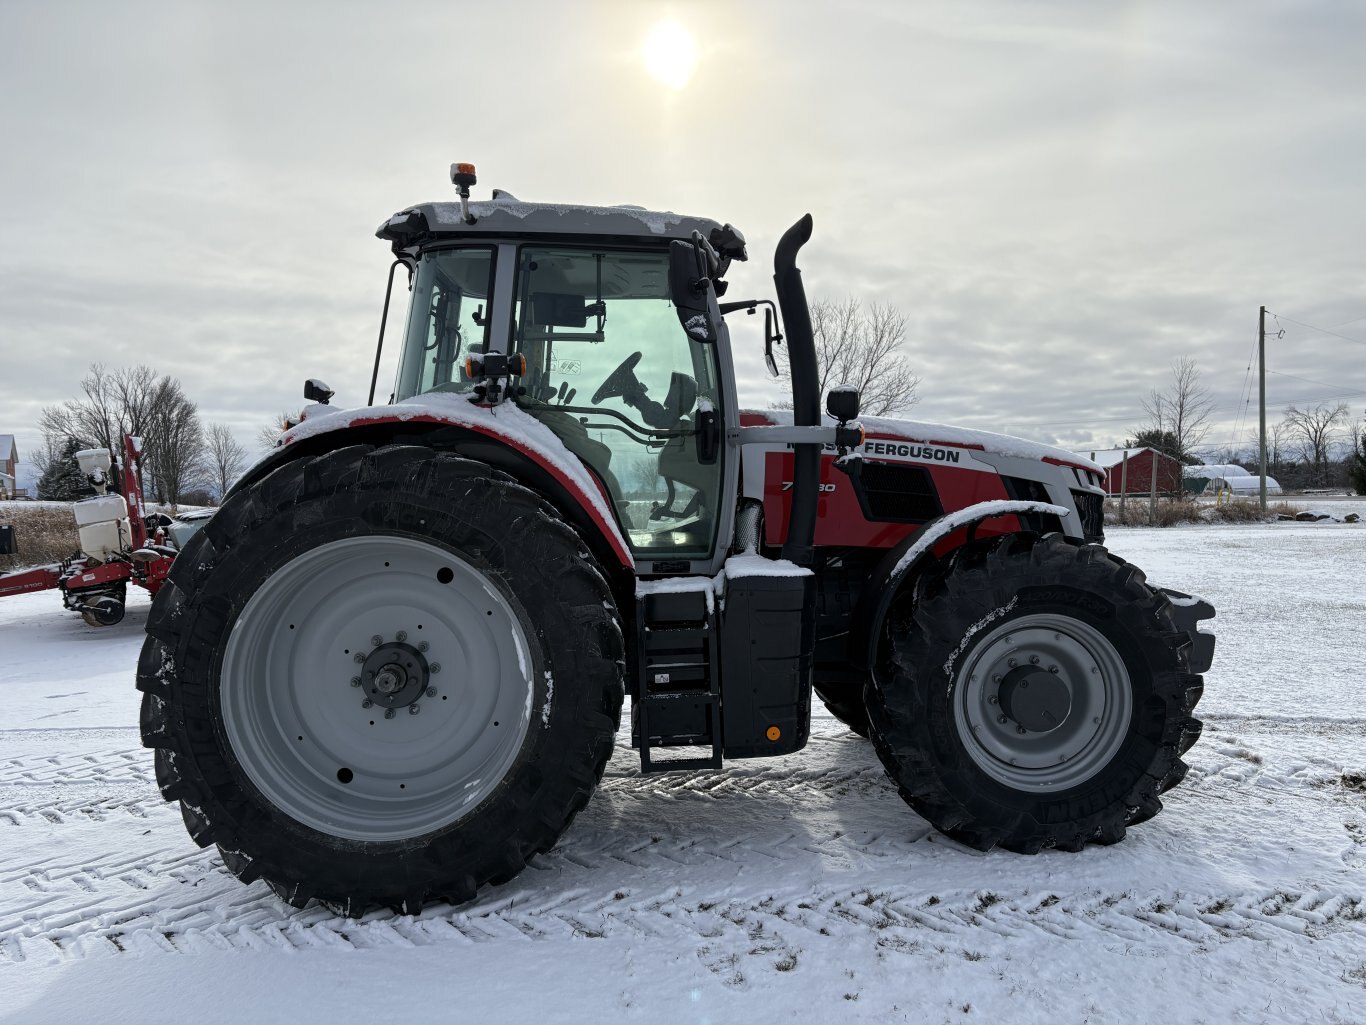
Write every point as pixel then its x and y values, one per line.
pixel 506 214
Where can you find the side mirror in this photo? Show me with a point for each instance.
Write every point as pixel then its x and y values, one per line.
pixel 771 335
pixel 316 391
pixel 690 289
pixel 842 403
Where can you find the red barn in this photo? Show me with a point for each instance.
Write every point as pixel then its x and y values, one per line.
pixel 1138 479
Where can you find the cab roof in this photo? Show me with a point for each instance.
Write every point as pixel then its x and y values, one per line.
pixel 506 215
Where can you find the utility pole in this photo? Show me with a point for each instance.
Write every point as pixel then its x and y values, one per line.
pixel 1261 392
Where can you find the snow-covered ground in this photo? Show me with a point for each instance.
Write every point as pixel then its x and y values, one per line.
pixel 798 889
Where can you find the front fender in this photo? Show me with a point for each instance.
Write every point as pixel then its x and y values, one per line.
pixel 503 436
pixel 906 559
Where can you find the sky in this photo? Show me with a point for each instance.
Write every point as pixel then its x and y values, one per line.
pixel 1062 197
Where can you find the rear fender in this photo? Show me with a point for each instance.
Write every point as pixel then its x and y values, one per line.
pixel 903 563
pixel 530 459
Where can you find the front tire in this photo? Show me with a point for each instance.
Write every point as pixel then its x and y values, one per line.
pixel 1037 694
pixel 381 676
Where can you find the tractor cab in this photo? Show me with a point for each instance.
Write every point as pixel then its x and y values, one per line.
pixel 577 303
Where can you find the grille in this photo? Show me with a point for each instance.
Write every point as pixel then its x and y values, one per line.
pixel 1091 509
pixel 897 494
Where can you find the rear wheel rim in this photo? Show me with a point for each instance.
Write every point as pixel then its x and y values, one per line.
pixel 1099 707
pixel 425 637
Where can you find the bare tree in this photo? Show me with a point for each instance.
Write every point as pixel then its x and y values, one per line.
pixel 134 400
pixel 863 348
pixel 42 457
pixel 174 443
pixel 225 457
pixel 1313 430
pixel 1181 410
pixel 270 433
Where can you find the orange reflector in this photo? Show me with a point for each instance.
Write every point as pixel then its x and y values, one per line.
pixel 520 364
pixel 469 367
pixel 464 169
pixel 773 733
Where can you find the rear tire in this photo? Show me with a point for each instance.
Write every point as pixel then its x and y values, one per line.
pixel 269 618
pixel 1108 717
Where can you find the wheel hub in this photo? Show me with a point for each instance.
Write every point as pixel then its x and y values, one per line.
pixel 1042 702
pixel 395 674
pixel 1035 698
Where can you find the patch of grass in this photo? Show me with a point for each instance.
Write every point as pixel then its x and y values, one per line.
pixel 986 900
pixel 45 533
pixel 1172 511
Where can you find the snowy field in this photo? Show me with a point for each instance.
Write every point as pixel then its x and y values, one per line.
pixel 798 889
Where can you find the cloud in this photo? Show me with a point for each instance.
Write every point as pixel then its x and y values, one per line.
pixel 1062 197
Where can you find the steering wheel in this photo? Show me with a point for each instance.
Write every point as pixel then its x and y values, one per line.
pixel 620 379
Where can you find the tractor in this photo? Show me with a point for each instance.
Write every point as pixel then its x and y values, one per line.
pixel 391 668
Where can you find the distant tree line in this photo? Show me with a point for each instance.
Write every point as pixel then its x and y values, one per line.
pixel 183 460
pixel 1310 447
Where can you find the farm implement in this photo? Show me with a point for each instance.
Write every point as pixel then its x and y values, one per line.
pixel 120 544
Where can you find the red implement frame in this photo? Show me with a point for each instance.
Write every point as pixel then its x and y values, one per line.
pixel 79 573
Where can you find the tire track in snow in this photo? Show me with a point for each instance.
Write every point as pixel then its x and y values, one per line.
pixel 129 765
pixel 725 935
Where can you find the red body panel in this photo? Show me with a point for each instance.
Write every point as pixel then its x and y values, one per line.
pixel 839 519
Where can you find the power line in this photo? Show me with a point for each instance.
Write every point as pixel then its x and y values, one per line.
pixel 1315 327
pixel 1310 380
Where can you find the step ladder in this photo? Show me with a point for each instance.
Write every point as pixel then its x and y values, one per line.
pixel 677 682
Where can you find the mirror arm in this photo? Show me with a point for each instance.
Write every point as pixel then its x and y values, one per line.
pixel 383 320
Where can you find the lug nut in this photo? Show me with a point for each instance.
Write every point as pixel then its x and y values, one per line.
pixel 401 636
pixel 358 657
pixel 1002 720
pixel 423 646
pixel 993 700
pixel 413 709
pixel 1019 729
pixel 435 667
pixel 431 692
pixel 367 703
pixel 996 678
pixel 388 713
pixel 1012 663
pixel 1033 660
pixel 355 681
pixel 377 640
pixel 1052 669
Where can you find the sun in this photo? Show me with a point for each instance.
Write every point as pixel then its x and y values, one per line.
pixel 670 54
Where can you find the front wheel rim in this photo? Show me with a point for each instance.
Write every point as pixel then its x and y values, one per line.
pixel 1098 703
pixel 377 688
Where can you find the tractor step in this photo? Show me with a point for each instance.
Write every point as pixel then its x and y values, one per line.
pixel 678 688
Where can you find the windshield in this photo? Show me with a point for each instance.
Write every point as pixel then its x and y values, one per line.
pixel 448 318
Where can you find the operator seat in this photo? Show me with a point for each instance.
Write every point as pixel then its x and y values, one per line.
pixel 678 462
